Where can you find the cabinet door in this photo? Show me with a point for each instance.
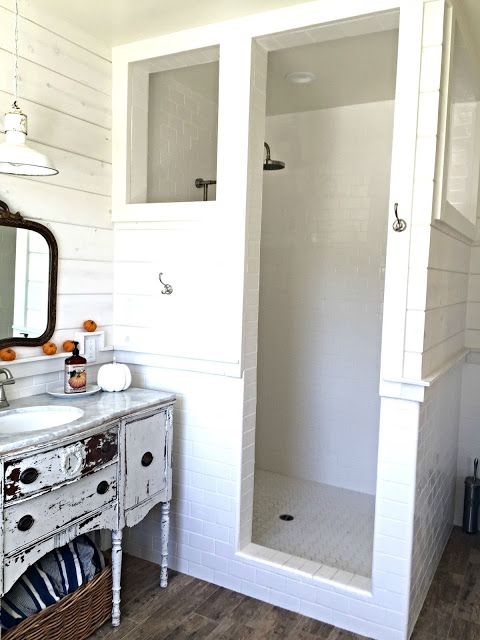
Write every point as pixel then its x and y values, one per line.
pixel 146 470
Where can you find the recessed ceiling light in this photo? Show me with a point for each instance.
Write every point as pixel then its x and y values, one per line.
pixel 300 77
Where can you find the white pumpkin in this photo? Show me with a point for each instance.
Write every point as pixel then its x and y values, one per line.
pixel 114 377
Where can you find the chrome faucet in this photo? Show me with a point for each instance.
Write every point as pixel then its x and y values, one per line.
pixel 9 379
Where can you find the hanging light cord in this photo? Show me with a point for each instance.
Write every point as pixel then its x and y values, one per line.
pixel 15 67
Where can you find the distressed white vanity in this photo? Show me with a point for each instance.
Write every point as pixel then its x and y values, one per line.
pixel 104 470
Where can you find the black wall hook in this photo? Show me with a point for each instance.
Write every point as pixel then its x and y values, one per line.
pixel 398 224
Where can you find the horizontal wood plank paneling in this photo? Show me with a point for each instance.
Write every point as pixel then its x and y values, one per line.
pixel 200 317
pixel 50 128
pixel 447 301
pixel 34 11
pixel 75 309
pixel 77 172
pixel 84 277
pixel 52 50
pixel 82 243
pixel 64 88
pixel 49 201
pixel 49 88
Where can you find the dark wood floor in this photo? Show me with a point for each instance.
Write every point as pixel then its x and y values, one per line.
pixel 191 608
pixel 452 608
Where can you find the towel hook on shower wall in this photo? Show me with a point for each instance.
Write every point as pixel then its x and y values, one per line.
pixel 398 224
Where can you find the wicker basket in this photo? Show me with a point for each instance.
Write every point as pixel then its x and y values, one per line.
pixel 75 617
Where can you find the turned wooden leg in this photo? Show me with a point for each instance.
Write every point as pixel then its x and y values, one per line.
pixel 116 575
pixel 165 522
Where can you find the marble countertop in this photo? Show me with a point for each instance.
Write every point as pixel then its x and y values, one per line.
pixel 99 409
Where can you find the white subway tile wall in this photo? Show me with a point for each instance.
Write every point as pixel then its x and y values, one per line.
pixel 324 230
pixel 182 139
pixel 205 511
pixel 435 484
pixel 464 132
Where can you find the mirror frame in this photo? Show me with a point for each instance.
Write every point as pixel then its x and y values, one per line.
pixel 16 220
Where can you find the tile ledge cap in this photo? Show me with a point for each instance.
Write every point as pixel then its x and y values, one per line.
pixel 429 380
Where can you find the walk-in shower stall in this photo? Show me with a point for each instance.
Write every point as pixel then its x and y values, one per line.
pixel 329 120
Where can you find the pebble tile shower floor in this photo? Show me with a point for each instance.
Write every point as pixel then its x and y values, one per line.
pixel 332 526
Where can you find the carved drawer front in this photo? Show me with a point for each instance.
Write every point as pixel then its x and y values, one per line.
pixel 45 514
pixel 146 465
pixel 44 470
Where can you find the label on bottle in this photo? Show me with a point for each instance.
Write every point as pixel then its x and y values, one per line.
pixel 75 378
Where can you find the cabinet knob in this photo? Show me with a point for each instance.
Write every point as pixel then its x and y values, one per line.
pixel 147 459
pixel 103 487
pixel 25 523
pixel 29 475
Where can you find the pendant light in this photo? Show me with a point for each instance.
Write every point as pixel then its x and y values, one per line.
pixel 16 157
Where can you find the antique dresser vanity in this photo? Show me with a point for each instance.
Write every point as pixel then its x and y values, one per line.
pixel 104 470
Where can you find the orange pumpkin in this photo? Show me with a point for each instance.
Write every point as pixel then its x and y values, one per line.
pixel 49 348
pixel 7 354
pixel 89 325
pixel 68 345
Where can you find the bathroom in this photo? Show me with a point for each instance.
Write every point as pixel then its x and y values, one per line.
pixel 200 342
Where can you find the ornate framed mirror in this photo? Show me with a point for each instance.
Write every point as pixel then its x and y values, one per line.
pixel 28 280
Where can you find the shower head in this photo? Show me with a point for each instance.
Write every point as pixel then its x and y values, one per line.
pixel 269 164
pixel 273 165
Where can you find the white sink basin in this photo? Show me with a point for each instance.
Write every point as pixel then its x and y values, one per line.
pixel 36 418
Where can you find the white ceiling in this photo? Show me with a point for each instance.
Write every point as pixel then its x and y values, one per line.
pixel 119 21
pixel 116 22
pixel 348 71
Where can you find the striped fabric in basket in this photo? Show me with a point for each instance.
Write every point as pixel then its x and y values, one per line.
pixel 57 574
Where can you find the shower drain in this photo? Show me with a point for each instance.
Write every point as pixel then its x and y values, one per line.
pixel 286 517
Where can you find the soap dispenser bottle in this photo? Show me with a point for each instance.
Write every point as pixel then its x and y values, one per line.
pixel 75 372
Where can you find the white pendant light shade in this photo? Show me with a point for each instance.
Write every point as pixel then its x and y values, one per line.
pixel 16 157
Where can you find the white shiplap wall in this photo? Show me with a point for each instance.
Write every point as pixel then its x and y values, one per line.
pixel 65 89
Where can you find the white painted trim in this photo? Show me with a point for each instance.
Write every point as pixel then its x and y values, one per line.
pixel 165 211
pixel 414 389
pixel 131 356
pixel 452 220
pixel 40 365
pixel 238 32
pixel 444 213
pixel 473 356
pixel 401 189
